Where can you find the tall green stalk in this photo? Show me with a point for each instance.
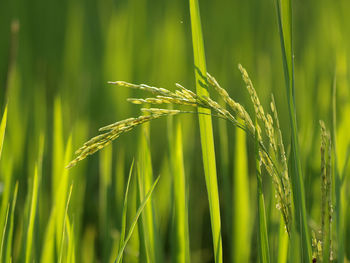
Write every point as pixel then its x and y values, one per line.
pixel 181 231
pixel 263 241
pixel 241 204
pixel 284 14
pixel 206 131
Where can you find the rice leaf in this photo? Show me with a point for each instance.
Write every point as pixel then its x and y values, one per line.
pixel 151 234
pixel 284 15
pixel 181 235
pixel 134 221
pixel 33 211
pixel 283 242
pixel 3 233
pixel 241 203
pixel 206 131
pixel 11 227
pixel 64 225
pixel 263 242
pixel 2 129
pixel 123 227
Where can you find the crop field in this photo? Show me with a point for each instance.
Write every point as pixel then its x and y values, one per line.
pixel 174 131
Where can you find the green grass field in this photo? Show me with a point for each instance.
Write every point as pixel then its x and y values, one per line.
pixel 248 163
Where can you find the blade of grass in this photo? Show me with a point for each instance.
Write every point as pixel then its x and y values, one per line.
pixel 263 242
pixel 11 228
pixel 58 146
pixel 143 256
pixel 61 195
pixel 151 235
pixel 6 194
pixel 4 233
pixel 71 241
pixel 33 206
pixel 64 224
pixel 206 131
pixel 283 242
pixel 284 15
pixel 337 178
pixel 105 180
pixel 123 226
pixel 241 203
pixel 181 239
pixel 134 221
pixel 2 129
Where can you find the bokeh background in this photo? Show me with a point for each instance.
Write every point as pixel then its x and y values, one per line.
pixel 57 56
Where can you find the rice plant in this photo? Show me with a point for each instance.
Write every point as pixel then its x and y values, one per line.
pixel 231 168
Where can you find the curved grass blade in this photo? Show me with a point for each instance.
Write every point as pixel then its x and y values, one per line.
pixel 4 233
pixel 123 227
pixel 284 15
pixel 64 224
pixel 133 224
pixel 206 131
pixel 149 220
pixel 2 129
pixel 11 227
pixel 33 206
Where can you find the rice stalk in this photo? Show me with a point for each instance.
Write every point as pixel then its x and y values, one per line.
pixel 326 191
pixel 206 131
pixel 125 206
pixel 263 242
pixel 284 18
pixel 181 240
pixel 32 215
pixel 9 241
pixel 241 221
pixel 134 221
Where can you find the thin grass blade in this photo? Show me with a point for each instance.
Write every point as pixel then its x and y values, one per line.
pixel 33 211
pixel 181 236
pixel 11 227
pixel 2 129
pixel 206 131
pixel 283 242
pixel 241 203
pixel 134 222
pixel 4 233
pixel 64 228
pixel 284 15
pixel 263 242
pixel 123 227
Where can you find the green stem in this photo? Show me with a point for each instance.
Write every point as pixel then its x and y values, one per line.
pixel 284 13
pixel 206 131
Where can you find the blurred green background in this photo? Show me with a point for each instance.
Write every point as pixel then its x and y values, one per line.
pixel 54 73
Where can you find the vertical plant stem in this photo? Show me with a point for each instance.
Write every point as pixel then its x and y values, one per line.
pixel 31 221
pixel 263 242
pixel 151 235
pixel 206 131
pixel 181 234
pixel 284 14
pixel 241 204
pixel 337 180
pixel 283 242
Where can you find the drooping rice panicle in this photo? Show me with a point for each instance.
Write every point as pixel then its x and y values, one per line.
pixel 235 106
pixel 273 160
pixel 115 130
pixel 259 110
